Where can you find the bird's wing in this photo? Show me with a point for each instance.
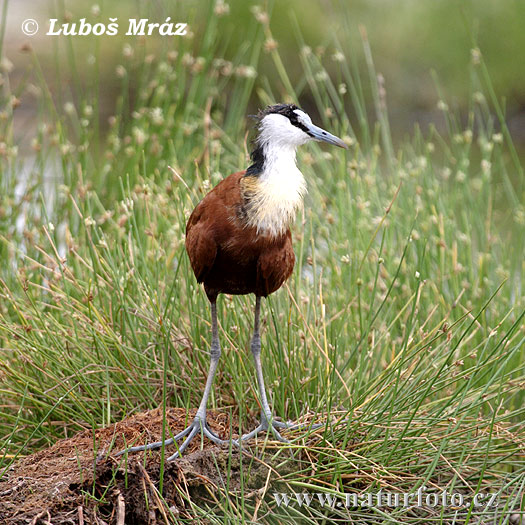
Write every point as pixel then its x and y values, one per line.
pixel 200 245
pixel 207 225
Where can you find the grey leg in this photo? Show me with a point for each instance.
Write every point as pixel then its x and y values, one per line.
pixel 215 354
pixel 267 421
pixel 199 422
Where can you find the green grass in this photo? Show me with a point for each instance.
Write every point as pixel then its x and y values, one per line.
pixel 405 312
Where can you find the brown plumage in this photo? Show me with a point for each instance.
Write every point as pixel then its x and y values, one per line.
pixel 239 242
pixel 226 253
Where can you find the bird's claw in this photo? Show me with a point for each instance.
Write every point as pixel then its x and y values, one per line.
pixel 268 423
pixel 199 424
pixel 261 428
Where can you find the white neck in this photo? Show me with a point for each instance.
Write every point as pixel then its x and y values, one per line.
pixel 281 187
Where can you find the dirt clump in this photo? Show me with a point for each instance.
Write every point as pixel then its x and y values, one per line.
pixel 79 480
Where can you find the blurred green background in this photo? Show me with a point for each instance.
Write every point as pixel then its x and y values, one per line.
pixel 408 38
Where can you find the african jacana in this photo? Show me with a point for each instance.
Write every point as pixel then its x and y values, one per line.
pixel 239 242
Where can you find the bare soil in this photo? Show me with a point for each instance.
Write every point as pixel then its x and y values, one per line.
pixel 79 481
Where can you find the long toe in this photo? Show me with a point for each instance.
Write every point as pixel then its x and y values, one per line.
pixel 274 427
pixel 281 424
pixel 253 433
pixel 149 446
pixel 278 436
pixel 187 441
pixel 265 426
pixel 212 436
pixel 191 431
pixel 297 426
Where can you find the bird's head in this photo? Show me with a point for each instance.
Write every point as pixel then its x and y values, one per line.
pixel 289 125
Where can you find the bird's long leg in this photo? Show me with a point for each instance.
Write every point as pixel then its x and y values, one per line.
pixel 267 421
pixel 199 423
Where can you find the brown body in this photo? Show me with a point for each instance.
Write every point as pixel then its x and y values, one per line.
pixel 230 256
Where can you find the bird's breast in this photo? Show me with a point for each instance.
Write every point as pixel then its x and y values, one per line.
pixel 270 200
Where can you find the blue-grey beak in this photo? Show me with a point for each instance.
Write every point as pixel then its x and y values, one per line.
pixel 320 134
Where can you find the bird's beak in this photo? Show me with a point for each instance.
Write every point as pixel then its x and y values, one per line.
pixel 320 134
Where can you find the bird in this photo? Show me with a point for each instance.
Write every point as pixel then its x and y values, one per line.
pixel 239 242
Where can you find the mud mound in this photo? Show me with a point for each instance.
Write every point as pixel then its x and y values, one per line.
pixel 78 480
